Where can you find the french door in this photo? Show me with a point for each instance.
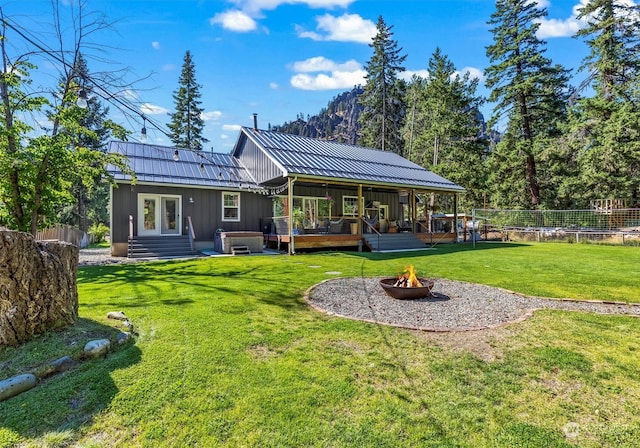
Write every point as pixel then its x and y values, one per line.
pixel 159 215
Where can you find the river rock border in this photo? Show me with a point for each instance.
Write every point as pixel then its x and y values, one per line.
pixel 96 348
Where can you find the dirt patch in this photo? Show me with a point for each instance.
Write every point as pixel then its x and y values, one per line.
pixel 483 344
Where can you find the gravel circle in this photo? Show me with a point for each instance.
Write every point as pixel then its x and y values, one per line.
pixel 454 305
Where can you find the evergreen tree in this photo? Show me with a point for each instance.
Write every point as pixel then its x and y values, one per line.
pixel 604 129
pixel 530 93
pixel 186 122
pixel 383 112
pixel 445 127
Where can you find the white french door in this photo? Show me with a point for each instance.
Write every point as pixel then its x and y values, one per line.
pixel 159 215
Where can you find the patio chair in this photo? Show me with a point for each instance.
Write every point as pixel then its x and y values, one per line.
pixel 336 226
pixel 323 226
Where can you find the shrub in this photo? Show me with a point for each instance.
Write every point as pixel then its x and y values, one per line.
pixel 98 232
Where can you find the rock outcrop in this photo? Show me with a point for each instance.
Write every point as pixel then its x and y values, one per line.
pixel 38 289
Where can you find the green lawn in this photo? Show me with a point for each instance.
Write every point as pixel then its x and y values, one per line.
pixel 229 354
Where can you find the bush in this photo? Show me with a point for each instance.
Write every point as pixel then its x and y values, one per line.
pixel 98 232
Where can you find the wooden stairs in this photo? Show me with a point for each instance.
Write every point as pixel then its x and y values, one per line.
pixel 160 247
pixel 401 241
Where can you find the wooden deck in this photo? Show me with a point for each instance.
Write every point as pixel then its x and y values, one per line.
pixel 341 241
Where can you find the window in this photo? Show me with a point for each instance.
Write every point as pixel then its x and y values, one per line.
pixel 350 205
pixel 230 206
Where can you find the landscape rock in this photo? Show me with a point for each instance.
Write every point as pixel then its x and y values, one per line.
pixel 123 337
pixel 63 364
pixel 97 347
pixel 16 385
pixel 38 289
pixel 117 315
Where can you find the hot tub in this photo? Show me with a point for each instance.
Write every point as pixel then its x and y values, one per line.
pixel 253 240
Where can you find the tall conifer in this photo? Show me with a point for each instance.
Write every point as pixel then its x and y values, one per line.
pixel 383 97
pixel 605 128
pixel 530 94
pixel 187 122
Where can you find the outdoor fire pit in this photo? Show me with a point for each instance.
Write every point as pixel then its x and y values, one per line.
pixel 407 286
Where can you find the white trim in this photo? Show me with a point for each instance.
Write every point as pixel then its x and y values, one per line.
pixel 158 198
pixel 235 193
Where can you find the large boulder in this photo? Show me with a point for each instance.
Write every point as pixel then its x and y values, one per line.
pixel 38 289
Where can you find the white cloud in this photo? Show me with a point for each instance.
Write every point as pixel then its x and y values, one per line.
pixel 254 6
pixel 213 115
pixel 346 28
pixel 152 109
pixel 333 75
pixel 231 127
pixel 408 74
pixel 155 44
pixel 234 21
pixel 336 80
pixel 473 73
pixel 322 64
pixel 274 86
pixel 130 94
pixel 562 27
pixel 558 28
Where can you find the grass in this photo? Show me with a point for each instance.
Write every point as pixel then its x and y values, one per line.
pixel 228 354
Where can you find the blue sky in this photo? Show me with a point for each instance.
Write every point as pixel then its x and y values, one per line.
pixel 278 58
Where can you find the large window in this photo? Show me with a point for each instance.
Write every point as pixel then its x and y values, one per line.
pixel 350 205
pixel 230 206
pixel 307 211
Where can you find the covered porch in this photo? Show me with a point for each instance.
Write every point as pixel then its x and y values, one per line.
pixel 325 214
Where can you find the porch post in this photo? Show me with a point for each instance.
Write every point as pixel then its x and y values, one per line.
pixel 360 209
pixel 292 249
pixel 412 210
pixel 455 215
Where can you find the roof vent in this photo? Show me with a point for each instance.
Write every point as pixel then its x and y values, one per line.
pixel 255 122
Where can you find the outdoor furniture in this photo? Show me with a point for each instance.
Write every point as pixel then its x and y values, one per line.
pixel 323 226
pixel 336 226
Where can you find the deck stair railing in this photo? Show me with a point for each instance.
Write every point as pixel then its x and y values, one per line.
pixel 130 239
pixel 192 233
pixel 371 229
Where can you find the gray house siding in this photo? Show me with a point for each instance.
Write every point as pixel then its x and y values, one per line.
pixel 258 163
pixel 205 210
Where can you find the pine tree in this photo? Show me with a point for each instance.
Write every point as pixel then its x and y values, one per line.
pixel 383 98
pixel 186 122
pixel 447 127
pixel 529 91
pixel 605 129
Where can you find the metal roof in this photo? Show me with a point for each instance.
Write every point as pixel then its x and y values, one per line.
pixel 154 163
pixel 309 157
pixel 297 156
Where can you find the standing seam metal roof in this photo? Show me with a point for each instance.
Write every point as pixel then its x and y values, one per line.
pixel 154 163
pixel 312 157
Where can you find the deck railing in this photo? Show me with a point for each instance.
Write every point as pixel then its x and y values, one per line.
pixel 192 233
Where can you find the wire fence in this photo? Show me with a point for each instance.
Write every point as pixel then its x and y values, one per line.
pixel 599 225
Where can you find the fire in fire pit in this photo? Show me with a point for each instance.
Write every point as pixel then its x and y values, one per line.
pixel 408 279
pixel 407 286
